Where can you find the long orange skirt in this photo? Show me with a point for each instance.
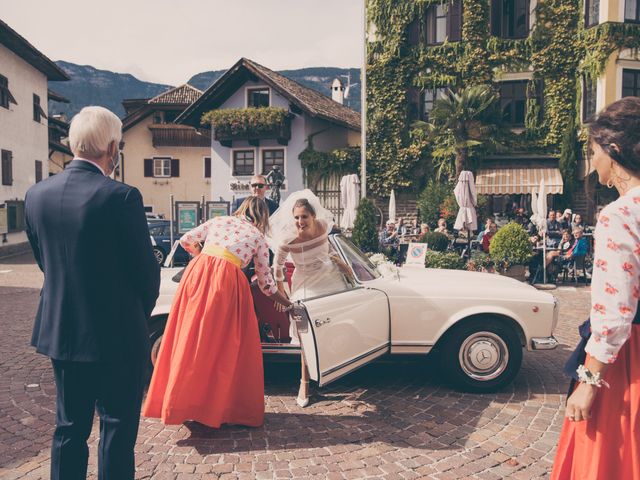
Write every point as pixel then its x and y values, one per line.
pixel 209 367
pixel 607 446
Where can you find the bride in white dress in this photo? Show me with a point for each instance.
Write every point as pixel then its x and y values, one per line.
pixel 301 227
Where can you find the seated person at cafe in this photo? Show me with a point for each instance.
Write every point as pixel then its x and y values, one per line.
pixel 389 236
pixel 577 222
pixel 401 228
pixel 442 226
pixel 554 232
pixel 565 219
pixel 520 217
pixel 487 224
pixel 486 238
pixel 577 250
pixel 424 228
pixel 565 245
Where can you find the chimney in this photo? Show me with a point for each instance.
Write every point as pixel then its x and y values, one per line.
pixel 337 91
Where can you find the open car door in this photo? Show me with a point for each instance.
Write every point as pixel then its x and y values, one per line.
pixel 342 332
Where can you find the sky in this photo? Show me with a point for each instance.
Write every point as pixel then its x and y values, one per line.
pixel 168 42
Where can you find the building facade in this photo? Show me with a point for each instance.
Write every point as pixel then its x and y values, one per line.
pixel 553 64
pixel 161 158
pixel 307 118
pixel 24 133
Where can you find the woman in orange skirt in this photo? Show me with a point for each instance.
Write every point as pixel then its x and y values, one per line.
pixel 209 367
pixel 600 436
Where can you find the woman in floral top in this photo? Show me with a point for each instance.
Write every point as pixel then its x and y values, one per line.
pixel 601 432
pixel 209 367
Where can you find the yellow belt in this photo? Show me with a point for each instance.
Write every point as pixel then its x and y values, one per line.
pixel 221 252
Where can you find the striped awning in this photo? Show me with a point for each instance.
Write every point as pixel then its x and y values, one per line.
pixel 504 181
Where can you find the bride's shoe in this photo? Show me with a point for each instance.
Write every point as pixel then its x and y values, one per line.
pixel 303 401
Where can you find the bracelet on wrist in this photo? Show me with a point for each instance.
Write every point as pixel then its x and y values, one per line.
pixel 586 376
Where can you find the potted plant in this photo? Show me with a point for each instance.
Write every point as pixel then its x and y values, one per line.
pixel 510 250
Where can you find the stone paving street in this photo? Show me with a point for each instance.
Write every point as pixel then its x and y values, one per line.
pixel 389 420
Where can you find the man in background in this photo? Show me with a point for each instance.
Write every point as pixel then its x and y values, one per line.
pixel 259 187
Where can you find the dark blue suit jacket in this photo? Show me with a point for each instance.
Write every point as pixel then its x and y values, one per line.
pixel 273 206
pixel 90 237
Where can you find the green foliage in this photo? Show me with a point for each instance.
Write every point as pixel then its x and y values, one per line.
pixel 450 260
pixel 431 199
pixel 560 51
pixel 510 246
pixel 340 161
pixel 461 123
pixel 365 233
pixel 231 122
pixel 569 161
pixel 436 241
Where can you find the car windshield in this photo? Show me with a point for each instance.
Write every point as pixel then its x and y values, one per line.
pixel 156 230
pixel 362 267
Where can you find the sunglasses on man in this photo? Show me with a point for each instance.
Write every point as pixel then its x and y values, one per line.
pixel 258 185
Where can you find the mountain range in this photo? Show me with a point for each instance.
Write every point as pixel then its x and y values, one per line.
pixel 91 86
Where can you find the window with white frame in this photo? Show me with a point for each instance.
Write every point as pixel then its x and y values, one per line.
pixel 429 96
pixel 630 83
pixel 270 158
pixel 161 167
pixel 243 162
pixel 436 24
pixel 589 97
pixel 258 97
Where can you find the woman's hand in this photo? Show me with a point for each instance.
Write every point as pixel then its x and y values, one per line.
pixel 580 402
pixel 281 299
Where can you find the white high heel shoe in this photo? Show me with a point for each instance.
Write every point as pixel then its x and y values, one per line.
pixel 302 402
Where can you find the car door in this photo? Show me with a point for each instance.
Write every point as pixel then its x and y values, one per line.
pixel 342 332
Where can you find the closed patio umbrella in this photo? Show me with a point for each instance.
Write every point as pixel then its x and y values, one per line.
pixel 467 199
pixel 350 198
pixel 392 206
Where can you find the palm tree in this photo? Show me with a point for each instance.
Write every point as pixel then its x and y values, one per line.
pixel 459 122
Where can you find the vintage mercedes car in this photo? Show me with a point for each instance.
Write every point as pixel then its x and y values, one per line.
pixel 476 324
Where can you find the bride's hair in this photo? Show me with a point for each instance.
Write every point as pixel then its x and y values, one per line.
pixel 304 203
pixel 256 210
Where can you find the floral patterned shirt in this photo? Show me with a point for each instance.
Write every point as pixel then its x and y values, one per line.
pixel 615 288
pixel 241 238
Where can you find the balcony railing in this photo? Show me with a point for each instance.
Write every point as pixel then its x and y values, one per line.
pixel 172 135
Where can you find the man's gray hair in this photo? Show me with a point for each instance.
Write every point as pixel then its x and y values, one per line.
pixel 92 130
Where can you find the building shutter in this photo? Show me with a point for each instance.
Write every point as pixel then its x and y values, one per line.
pixel 7 167
pixel 207 167
pixel 175 167
pixel 148 167
pixel 454 21
pixel 413 103
pixel 413 32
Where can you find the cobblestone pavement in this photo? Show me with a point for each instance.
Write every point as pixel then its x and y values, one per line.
pixel 388 420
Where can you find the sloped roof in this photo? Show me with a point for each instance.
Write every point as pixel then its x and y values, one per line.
pixel 308 100
pixel 182 95
pixel 30 54
pixel 173 99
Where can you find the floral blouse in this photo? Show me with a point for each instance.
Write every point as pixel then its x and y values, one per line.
pixel 241 238
pixel 615 289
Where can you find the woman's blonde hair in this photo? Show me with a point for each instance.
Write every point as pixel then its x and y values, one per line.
pixel 256 210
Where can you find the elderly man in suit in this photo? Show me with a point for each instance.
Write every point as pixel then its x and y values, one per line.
pixel 90 238
pixel 259 187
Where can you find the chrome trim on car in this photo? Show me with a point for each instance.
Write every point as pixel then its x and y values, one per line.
pixel 544 343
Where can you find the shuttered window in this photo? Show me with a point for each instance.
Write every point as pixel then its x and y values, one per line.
pixel 207 167
pixel 38 171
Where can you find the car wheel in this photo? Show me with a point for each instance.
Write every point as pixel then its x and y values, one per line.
pixel 481 356
pixel 159 254
pixel 155 337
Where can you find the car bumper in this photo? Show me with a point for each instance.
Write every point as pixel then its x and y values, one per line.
pixel 544 343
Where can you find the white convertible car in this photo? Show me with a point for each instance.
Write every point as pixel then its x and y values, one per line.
pixel 475 323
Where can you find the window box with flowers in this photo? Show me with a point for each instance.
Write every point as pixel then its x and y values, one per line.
pixel 239 186
pixel 251 124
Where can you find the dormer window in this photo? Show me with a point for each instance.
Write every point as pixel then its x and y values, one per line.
pixel 258 97
pixel 510 18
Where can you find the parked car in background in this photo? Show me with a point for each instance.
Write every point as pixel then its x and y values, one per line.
pixel 475 324
pixel 160 232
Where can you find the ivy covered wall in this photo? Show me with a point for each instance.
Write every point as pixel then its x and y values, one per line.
pixel 559 50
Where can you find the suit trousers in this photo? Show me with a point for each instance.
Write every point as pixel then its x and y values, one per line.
pixel 115 390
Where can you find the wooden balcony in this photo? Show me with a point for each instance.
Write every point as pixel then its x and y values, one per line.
pixel 172 135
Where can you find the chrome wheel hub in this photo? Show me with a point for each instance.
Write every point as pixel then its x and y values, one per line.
pixel 483 356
